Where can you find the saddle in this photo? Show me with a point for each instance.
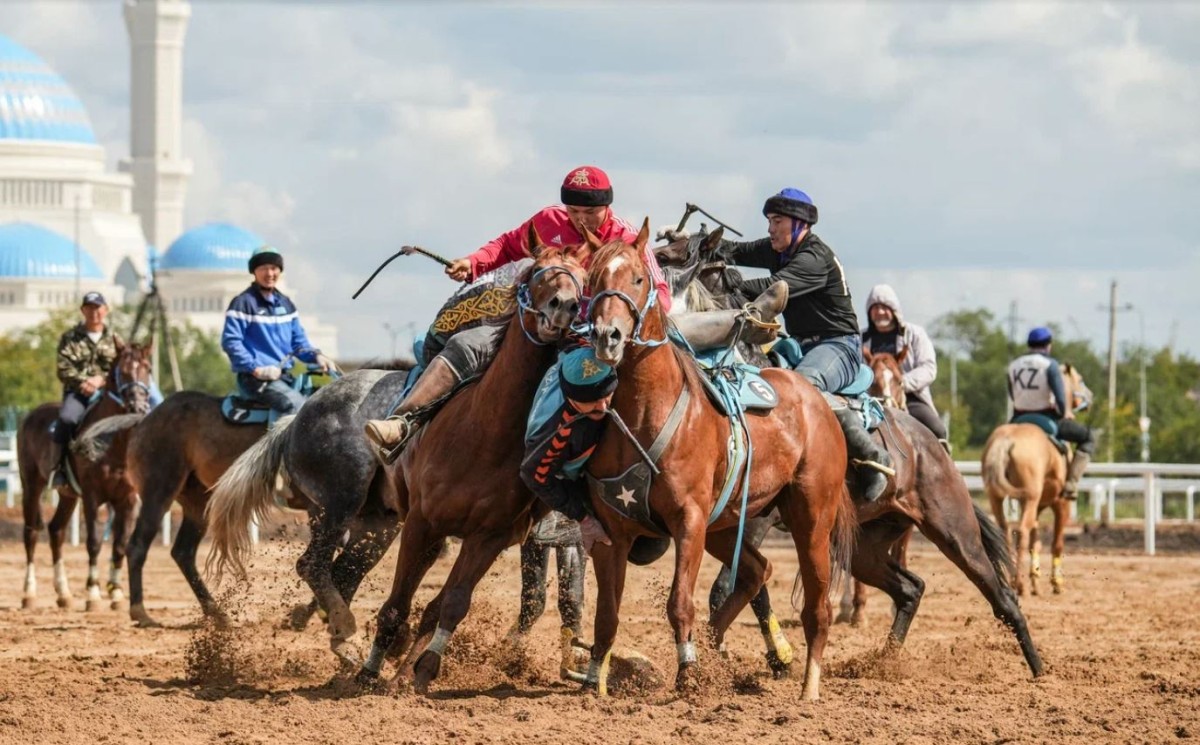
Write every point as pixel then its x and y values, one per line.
pixel 787 354
pixel 68 471
pixel 1045 423
pixel 242 407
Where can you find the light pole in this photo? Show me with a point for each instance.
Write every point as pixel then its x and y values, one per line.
pixel 1112 309
pixel 1143 418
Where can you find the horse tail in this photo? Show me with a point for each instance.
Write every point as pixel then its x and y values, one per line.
pixel 995 546
pixel 244 493
pixel 843 540
pixel 995 467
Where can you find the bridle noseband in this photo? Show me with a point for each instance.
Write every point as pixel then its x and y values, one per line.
pixel 525 298
pixel 639 314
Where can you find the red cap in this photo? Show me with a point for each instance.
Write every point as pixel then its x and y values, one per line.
pixel 587 186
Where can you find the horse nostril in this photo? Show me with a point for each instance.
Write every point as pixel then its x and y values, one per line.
pixel 555 302
pixel 614 336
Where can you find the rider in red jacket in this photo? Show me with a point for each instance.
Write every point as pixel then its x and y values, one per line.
pixel 587 197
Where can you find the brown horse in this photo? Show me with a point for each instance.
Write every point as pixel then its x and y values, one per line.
pixel 177 453
pixel 459 477
pixel 888 387
pixel 1021 462
pixel 101 480
pixel 801 471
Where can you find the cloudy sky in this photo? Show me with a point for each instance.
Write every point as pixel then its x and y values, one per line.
pixel 972 155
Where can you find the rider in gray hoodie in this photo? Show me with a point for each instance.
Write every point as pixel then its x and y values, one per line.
pixel 887 331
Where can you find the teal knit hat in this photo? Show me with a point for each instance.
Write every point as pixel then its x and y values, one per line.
pixel 585 378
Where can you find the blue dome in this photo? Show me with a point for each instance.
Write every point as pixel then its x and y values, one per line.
pixel 35 103
pixel 214 247
pixel 28 250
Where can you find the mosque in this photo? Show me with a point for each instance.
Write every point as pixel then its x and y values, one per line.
pixel 68 225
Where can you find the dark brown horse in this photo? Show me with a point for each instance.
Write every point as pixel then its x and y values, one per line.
pixel 798 466
pixel 177 453
pixel 101 480
pixel 459 477
pixel 888 388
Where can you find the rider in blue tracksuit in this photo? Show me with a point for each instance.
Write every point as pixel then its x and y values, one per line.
pixel 262 329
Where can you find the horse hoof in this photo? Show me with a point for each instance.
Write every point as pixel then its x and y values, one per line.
pixel 779 669
pixel 299 617
pixel 347 651
pixel 370 682
pixel 28 603
pixel 93 605
pixel 1058 588
pixel 119 604
pixel 142 619
pixel 858 621
pixel 843 617
pixel 429 664
pixel 687 680
pixel 64 602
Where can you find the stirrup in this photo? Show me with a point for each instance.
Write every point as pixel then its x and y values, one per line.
pixel 875 466
pixel 388 456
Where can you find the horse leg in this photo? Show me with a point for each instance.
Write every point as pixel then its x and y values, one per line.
pixel 1035 558
pixel 875 564
pixel 609 563
pixel 315 567
pixel 535 564
pixel 1026 532
pixel 753 572
pixel 95 538
pixel 756 531
pixel 124 519
pixel 477 555
pixel 58 528
pixel 964 535
pixel 1061 517
pixel 161 486
pixel 31 503
pixel 183 551
pixel 419 548
pixel 811 529
pixel 681 609
pixel 571 562
pixel 369 541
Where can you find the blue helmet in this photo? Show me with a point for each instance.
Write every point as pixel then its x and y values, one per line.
pixel 585 378
pixel 792 203
pixel 1040 337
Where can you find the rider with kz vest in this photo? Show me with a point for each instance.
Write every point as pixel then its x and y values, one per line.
pixel 587 197
pixel 819 314
pixel 262 329
pixel 86 354
pixel 888 332
pixel 1035 386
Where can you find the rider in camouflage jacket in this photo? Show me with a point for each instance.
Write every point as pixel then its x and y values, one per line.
pixel 79 358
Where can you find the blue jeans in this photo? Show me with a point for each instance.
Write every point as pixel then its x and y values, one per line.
pixel 831 364
pixel 278 394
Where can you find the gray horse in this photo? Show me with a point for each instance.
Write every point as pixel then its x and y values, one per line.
pixel 330 469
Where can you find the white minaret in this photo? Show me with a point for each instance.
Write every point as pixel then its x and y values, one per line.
pixel 156 30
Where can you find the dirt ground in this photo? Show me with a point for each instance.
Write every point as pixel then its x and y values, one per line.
pixel 1122 646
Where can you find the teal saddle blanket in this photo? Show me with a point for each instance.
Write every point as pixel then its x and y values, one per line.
pixel 787 354
pixel 1045 423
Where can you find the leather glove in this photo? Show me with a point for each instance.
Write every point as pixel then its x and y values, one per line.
pixel 327 365
pixel 268 373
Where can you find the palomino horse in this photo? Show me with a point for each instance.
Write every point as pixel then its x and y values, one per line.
pixel 177 453
pixel 459 476
pixel 353 496
pixel 931 496
pixel 102 480
pixel 888 388
pixel 802 471
pixel 1020 461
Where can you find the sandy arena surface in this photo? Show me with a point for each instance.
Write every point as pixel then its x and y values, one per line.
pixel 1122 646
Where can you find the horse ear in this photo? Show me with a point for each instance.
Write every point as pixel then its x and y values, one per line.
pixel 713 241
pixel 583 254
pixel 534 240
pixel 643 236
pixel 593 242
pixel 903 353
pixel 866 353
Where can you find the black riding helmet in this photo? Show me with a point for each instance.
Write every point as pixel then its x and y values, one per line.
pixel 792 203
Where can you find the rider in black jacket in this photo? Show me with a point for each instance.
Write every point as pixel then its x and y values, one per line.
pixel 819 314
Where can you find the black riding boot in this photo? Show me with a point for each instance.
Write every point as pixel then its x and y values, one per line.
pixel 871 462
pixel 58 457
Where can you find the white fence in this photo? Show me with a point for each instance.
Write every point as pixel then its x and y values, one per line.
pixel 1104 482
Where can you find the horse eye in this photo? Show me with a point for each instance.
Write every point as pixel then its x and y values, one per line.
pixel 639 280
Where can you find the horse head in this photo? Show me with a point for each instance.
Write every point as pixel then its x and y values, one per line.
pixel 129 378
pixel 889 378
pixel 550 299
pixel 1078 394
pixel 623 296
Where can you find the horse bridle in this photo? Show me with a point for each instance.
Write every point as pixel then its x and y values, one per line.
pixel 525 298
pixel 122 388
